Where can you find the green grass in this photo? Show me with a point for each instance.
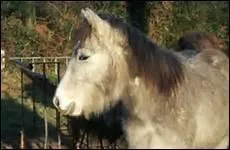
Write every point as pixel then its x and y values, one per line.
pixel 13 113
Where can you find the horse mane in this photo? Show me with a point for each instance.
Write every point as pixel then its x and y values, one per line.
pixel 158 67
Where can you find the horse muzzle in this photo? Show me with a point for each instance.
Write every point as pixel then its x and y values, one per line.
pixel 70 109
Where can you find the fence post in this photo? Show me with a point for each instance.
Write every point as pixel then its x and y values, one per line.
pixel 22 146
pixel 45 116
pixel 2 59
pixel 56 67
pixel 33 95
pixel 57 112
pixel 33 65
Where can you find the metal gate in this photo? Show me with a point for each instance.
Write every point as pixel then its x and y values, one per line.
pixel 45 66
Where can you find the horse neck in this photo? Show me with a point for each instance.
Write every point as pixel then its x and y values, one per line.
pixel 138 97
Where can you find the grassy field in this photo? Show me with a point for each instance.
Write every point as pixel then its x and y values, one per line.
pixel 15 115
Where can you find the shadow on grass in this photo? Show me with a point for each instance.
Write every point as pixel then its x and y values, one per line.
pixel 39 94
pixel 12 120
pixel 101 131
pixel 105 128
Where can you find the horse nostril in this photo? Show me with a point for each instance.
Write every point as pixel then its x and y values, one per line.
pixel 56 101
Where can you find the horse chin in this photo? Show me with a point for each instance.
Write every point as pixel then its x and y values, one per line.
pixel 73 110
pixel 76 113
pixel 88 113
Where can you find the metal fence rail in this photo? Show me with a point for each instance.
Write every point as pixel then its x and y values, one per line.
pixel 34 60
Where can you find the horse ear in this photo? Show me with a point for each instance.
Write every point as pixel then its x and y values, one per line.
pixel 97 23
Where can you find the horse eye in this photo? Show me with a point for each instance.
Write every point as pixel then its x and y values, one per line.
pixel 82 57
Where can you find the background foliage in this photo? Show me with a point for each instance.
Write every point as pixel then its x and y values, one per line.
pixel 45 28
